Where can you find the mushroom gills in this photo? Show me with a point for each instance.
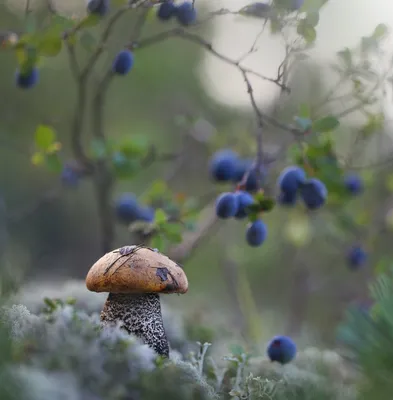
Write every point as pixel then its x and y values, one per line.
pixel 140 315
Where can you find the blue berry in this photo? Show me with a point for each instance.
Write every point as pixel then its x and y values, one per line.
pixel 98 7
pixel 281 349
pixel 314 194
pixel 166 10
pixel 69 176
pixel 291 178
pixel 123 63
pixel 287 198
pixel 241 168
pixel 186 13
pixel 226 205
pixel 356 257
pixel 256 233
pixel 127 208
pixel 297 4
pixel 27 79
pixel 223 165
pixel 354 184
pixel 244 200
pixel 146 214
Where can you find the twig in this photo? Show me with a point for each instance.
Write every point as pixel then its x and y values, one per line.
pixel 259 135
pixel 183 34
pixel 191 240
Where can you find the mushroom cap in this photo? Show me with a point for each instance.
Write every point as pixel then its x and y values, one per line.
pixel 136 269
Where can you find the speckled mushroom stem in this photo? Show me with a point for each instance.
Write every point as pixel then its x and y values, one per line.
pixel 141 315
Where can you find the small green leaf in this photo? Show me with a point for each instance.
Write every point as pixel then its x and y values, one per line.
pixel 50 45
pixel 312 18
pixel 37 158
pixel 44 137
pixel 304 111
pixel 88 41
pixel 325 124
pixel 90 20
pixel 308 32
pixel 267 205
pixel 173 232
pixel 157 190
pixel 53 163
pixel 160 217
pixel 158 242
pixel 137 146
pixel 380 31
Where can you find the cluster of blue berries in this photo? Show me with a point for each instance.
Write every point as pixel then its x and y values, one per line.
pixel 235 204
pixel 185 12
pixel 227 167
pixel 293 182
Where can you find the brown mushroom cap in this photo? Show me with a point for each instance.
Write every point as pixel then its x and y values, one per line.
pixel 136 269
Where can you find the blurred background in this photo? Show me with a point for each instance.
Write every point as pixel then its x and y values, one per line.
pixel 181 98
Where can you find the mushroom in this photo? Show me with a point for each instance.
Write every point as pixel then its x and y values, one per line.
pixel 134 276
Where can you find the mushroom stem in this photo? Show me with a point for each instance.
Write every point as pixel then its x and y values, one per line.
pixel 141 315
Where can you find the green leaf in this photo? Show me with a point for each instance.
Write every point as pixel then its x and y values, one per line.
pixel 157 190
pixel 90 20
pixel 267 205
pixel 44 137
pixel 308 32
pixel 275 26
pixel 374 124
pixel 312 18
pixel 325 124
pixel 173 232
pixel 137 146
pixel 160 217
pixel 158 242
pixel 87 41
pixel 304 111
pixel 50 45
pixel 380 31
pixel 53 163
pixel 61 23
pixel 37 158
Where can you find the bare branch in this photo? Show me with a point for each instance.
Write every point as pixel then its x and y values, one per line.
pixel 191 37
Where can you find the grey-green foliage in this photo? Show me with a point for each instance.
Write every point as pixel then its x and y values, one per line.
pixel 314 375
pixel 369 337
pixel 66 354
pixel 32 296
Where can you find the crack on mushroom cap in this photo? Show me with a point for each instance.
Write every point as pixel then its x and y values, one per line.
pixel 128 251
pixel 110 272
